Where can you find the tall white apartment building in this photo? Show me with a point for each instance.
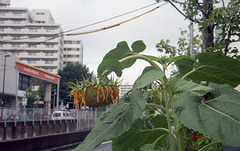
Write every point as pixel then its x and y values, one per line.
pixel 73 52
pixel 32 36
pixel 124 89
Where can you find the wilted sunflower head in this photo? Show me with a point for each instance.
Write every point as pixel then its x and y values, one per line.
pixel 96 93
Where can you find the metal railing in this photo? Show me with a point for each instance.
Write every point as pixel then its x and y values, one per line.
pixel 42 114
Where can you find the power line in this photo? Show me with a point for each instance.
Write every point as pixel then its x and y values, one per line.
pixel 111 18
pixel 108 27
pixel 62 33
pixel 181 11
pixel 117 24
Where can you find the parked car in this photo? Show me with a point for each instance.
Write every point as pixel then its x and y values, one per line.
pixel 14 118
pixel 61 115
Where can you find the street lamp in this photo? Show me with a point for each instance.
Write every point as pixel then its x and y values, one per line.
pixel 4 70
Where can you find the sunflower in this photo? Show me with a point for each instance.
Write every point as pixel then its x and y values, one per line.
pixel 98 93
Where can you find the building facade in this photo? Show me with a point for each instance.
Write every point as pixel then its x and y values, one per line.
pixel 32 36
pixel 73 52
pixel 16 77
pixel 124 89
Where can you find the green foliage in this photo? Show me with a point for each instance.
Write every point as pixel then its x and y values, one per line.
pixel 226 21
pixel 178 86
pixel 149 75
pixel 122 50
pixel 111 60
pixel 138 46
pixel 211 109
pixel 31 97
pixel 142 133
pixel 212 17
pixel 164 47
pixel 182 48
pixel 40 92
pixel 72 73
pixel 218 117
pixel 217 68
pixel 184 64
pixel 115 121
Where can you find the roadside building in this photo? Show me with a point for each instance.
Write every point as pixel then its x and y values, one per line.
pixel 73 52
pixel 32 36
pixel 124 88
pixel 16 77
pixel 35 40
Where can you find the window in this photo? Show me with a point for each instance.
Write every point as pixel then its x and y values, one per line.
pixel 48 54
pixel 49 30
pixel 16 22
pixel 40 22
pixel 24 82
pixel 72 42
pixel 15 45
pixel 31 61
pixel 48 69
pixel 49 46
pixel 32 53
pixel 61 50
pixel 40 13
pixel 17 13
pixel 71 56
pixel 1 29
pixel 60 65
pixel 16 37
pixel 30 19
pixel 48 62
pixel 71 49
pixel 15 53
pixel 33 29
pixel 33 37
pixel 32 46
pixel 16 29
pixel 1 21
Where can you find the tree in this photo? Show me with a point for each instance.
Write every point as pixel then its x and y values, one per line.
pixel 210 18
pixel 40 92
pixel 31 97
pixel 72 73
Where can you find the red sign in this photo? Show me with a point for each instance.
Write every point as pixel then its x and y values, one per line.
pixel 36 72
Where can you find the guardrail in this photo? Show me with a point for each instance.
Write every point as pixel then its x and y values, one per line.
pixel 39 122
pixel 42 114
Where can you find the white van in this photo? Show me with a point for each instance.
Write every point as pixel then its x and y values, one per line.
pixel 61 115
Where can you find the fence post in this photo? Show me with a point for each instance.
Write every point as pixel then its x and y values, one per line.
pixel 33 116
pixel 24 116
pixel 88 120
pixel 41 115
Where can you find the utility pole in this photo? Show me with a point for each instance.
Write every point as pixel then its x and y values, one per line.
pixel 4 70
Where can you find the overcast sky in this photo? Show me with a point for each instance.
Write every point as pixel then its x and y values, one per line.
pixel 163 23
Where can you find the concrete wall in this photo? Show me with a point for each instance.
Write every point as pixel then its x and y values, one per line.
pixel 43 142
pixel 21 130
pixel 28 136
